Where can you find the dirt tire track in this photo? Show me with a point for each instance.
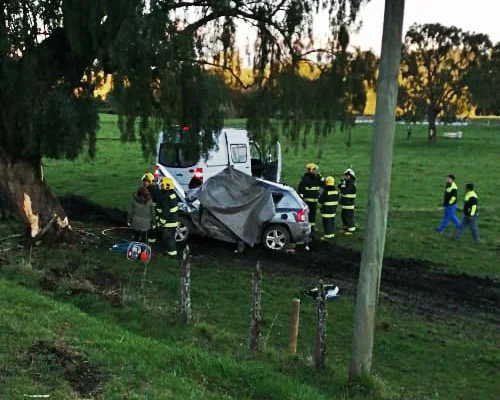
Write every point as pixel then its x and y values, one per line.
pixel 412 283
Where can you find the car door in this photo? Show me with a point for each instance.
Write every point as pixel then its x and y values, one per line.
pixel 239 151
pixel 272 163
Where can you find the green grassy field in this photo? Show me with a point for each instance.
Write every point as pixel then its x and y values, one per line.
pixel 418 178
pixel 93 308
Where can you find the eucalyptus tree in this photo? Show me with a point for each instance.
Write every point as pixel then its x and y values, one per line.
pixel 164 56
pixel 483 82
pixel 436 60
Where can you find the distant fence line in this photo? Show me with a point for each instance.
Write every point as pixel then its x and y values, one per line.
pixel 483 121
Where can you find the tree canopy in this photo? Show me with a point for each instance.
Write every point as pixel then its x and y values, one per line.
pixel 483 81
pixel 435 62
pixel 168 59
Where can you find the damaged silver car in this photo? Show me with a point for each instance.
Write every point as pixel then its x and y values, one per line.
pixel 237 208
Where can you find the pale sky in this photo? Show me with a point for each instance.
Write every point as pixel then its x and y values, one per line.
pixel 475 16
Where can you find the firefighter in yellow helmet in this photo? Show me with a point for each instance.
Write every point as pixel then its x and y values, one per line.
pixel 347 199
pixel 309 189
pixel 167 211
pixel 328 201
pixel 148 182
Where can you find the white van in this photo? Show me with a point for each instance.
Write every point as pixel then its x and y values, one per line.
pixel 233 148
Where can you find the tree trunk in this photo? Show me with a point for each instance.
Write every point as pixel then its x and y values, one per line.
pixel 24 191
pixel 378 196
pixel 431 119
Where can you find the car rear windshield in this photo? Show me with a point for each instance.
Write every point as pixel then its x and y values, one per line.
pixel 285 200
pixel 178 156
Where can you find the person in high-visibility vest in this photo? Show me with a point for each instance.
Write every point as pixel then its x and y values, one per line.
pixel 309 189
pixel 149 183
pixel 167 209
pixel 471 213
pixel 347 199
pixel 449 204
pixel 328 201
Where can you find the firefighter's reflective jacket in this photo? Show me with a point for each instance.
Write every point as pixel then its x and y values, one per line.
pixel 328 201
pixel 310 186
pixel 347 194
pixel 167 209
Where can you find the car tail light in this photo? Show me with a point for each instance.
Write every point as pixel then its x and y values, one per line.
pixel 156 172
pixel 198 174
pixel 301 215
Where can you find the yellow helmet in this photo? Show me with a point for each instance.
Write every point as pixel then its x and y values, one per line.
pixel 166 183
pixel 330 181
pixel 311 167
pixel 148 177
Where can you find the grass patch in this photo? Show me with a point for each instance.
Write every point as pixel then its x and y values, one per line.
pixel 64 308
pixel 418 177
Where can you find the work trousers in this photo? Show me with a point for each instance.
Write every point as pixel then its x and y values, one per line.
pixel 472 222
pixel 348 221
pixel 141 236
pixel 168 237
pixel 328 228
pixel 312 213
pixel 449 215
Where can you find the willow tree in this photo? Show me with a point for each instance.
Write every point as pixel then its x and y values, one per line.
pixel 164 56
pixel 435 62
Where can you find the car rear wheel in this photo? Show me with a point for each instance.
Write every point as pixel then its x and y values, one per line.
pixel 183 230
pixel 276 237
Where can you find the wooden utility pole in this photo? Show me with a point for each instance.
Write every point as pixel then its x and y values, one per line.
pixel 380 185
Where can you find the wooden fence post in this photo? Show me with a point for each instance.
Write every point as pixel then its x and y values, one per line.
pixel 321 332
pixel 186 286
pixel 256 317
pixel 294 327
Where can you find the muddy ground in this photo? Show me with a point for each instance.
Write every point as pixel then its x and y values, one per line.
pixel 83 377
pixel 410 283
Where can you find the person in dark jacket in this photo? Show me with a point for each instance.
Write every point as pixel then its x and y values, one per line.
pixel 347 189
pixel 148 182
pixel 309 189
pixel 471 213
pixel 449 204
pixel 168 207
pixel 328 201
pixel 141 216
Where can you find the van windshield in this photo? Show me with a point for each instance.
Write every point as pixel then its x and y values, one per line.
pixel 178 156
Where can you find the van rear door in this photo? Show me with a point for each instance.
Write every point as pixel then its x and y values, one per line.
pixel 180 163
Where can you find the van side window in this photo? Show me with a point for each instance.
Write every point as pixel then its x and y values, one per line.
pixel 239 153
